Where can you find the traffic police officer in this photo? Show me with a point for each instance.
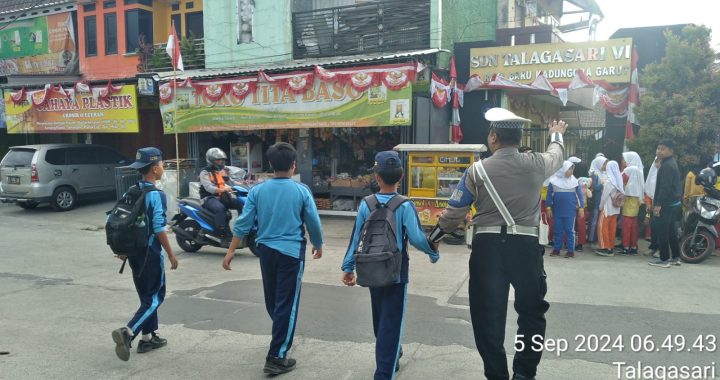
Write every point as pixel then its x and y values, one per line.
pixel 500 255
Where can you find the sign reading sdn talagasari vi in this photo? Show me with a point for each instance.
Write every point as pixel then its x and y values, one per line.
pixel 600 60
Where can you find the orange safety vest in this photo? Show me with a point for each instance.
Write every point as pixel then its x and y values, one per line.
pixel 218 180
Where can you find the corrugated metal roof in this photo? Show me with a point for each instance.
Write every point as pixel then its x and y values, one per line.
pixel 291 65
pixel 12 6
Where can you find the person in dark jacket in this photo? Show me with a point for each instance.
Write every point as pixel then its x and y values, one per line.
pixel 667 205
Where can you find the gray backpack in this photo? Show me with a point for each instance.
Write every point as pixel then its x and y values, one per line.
pixel 378 259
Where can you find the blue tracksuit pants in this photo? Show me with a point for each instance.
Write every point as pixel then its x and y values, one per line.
pixel 388 310
pixel 564 226
pixel 282 279
pixel 149 279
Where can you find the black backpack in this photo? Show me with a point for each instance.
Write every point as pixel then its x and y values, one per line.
pixel 378 259
pixel 126 230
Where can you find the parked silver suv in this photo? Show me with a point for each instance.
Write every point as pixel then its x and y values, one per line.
pixel 58 174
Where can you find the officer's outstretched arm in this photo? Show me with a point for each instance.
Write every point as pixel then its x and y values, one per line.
pixel 458 206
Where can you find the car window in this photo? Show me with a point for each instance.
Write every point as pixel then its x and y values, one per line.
pixel 18 157
pixel 108 156
pixel 55 156
pixel 80 156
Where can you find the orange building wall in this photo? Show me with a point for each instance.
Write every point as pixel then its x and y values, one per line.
pixel 122 65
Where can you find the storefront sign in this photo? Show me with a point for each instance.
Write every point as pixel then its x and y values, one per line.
pixel 429 209
pixel 2 116
pixel 600 60
pixel 81 113
pixel 40 45
pixel 270 105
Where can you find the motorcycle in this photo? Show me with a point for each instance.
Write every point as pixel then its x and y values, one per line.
pixel 699 232
pixel 193 225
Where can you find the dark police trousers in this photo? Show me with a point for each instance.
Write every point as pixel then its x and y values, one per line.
pixel 388 309
pixel 496 262
pixel 282 279
pixel 149 279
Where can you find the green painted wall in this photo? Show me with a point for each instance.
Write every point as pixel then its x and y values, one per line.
pixel 272 33
pixel 465 21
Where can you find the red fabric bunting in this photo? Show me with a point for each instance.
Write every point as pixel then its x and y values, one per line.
pixel 166 93
pixel 106 92
pixel 18 96
pixel 240 90
pixel 325 75
pixel 396 79
pixel 439 91
pixel 362 80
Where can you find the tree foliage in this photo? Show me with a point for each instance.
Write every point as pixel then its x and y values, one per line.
pixel 681 100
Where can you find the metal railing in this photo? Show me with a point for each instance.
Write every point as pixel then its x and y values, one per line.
pixel 193 56
pixel 383 26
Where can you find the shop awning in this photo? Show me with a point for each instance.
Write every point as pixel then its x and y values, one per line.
pixel 292 65
pixel 441 148
pixel 38 80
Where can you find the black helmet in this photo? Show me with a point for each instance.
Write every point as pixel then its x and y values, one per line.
pixel 214 154
pixel 706 178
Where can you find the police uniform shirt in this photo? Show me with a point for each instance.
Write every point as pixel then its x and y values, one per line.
pixel 518 179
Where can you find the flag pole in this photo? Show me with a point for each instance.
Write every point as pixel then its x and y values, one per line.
pixel 177 149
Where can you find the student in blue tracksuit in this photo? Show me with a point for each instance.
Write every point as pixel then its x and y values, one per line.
pixel 149 269
pixel 388 303
pixel 281 207
pixel 564 198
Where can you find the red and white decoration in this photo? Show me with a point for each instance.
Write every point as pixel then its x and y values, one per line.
pixel 173 49
pixel 394 77
pixel 38 98
pixel 633 97
pixel 458 97
pixel 439 91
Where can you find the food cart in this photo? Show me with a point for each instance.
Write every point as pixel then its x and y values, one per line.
pixel 433 173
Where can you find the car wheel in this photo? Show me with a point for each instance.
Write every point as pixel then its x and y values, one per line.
pixel 28 205
pixel 63 199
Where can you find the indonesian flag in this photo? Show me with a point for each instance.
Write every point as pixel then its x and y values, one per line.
pixel 173 49
pixel 633 97
pixel 457 134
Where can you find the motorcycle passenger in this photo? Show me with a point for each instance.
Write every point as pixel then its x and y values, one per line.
pixel 215 190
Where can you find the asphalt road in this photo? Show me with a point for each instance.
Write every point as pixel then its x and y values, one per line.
pixel 61 296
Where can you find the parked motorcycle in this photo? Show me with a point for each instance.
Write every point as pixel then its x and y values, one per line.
pixel 193 225
pixel 699 232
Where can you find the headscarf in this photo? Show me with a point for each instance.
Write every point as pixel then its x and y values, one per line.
pixel 633 159
pixel 596 165
pixel 614 176
pixel 574 160
pixel 560 181
pixel 651 180
pixel 634 171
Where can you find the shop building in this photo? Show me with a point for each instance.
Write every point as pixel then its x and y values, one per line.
pixel 340 79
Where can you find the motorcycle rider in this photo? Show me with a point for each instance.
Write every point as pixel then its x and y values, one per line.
pixel 216 191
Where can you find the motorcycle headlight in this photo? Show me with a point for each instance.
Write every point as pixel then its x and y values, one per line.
pixel 708 211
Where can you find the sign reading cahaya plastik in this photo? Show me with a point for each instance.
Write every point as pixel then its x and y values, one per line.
pixel 82 113
pixel 322 104
pixel 600 60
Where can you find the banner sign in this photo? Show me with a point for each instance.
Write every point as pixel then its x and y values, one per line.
pixel 74 112
pixel 40 45
pixel 2 116
pixel 274 106
pixel 429 209
pixel 601 60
